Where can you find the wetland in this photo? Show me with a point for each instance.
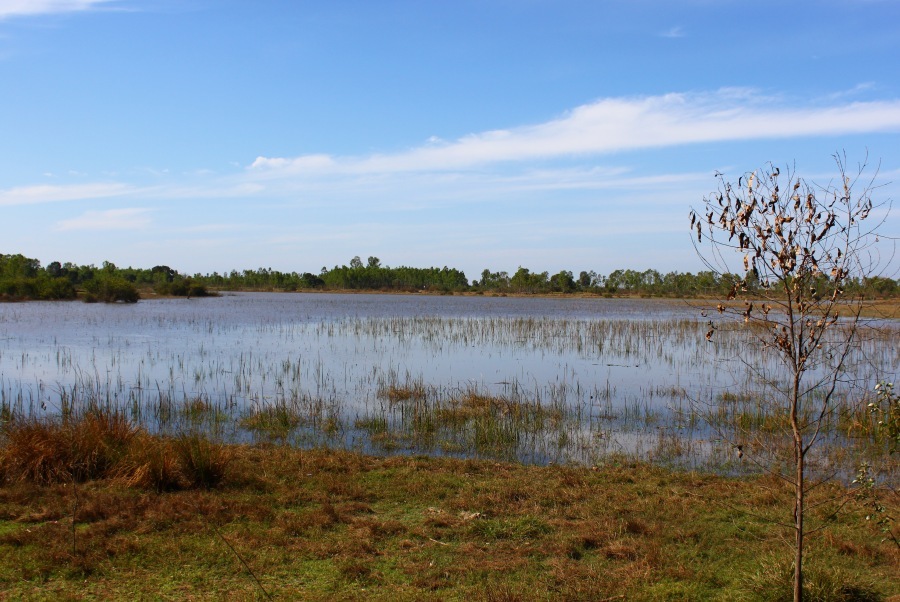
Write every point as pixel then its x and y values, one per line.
pixel 417 447
pixel 536 380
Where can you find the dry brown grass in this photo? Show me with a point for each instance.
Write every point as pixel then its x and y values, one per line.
pixel 396 393
pixel 327 525
pixel 64 450
pixel 98 445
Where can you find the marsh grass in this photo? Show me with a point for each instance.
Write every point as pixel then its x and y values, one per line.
pixel 466 422
pixel 275 421
pixel 203 462
pixel 330 524
pixel 96 445
pixel 563 389
pixel 152 465
pixel 61 450
pixel 409 391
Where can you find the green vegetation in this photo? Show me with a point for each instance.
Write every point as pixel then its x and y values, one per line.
pixel 24 278
pixel 94 507
pixel 421 418
pixel 110 289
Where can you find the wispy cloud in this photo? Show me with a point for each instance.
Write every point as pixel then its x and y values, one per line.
pixel 613 125
pixel 854 91
pixel 214 228
pixel 14 8
pixel 112 219
pixel 34 195
pixel 675 32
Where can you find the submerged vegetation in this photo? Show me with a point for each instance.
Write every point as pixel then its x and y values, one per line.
pixel 268 368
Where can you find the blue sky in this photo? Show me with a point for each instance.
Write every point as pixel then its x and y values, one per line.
pixel 554 134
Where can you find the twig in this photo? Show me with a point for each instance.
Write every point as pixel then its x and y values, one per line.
pixel 74 511
pixel 235 552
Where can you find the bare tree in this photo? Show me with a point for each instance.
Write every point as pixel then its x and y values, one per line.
pixel 791 248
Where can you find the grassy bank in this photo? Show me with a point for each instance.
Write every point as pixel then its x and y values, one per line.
pixel 100 510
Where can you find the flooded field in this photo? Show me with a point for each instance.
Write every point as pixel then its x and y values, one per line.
pixel 539 380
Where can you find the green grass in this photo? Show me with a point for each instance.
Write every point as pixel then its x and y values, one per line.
pixel 336 525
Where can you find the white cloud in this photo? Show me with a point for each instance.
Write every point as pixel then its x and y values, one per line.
pixel 13 8
pixel 34 195
pixel 675 32
pixel 297 164
pixel 613 125
pixel 112 219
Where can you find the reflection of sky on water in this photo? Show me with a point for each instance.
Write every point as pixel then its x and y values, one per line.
pixel 343 344
pixel 258 345
pixel 620 361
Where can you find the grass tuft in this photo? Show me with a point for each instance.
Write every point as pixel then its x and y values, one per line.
pixel 63 450
pixel 773 582
pixel 202 461
pixel 98 445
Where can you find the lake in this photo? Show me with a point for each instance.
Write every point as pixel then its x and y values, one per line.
pixel 535 379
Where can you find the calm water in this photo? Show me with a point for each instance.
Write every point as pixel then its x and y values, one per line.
pixel 626 369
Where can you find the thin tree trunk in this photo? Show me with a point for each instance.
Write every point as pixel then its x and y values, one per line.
pixel 798 520
pixel 799 485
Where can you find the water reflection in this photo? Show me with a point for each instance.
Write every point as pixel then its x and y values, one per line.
pixel 620 376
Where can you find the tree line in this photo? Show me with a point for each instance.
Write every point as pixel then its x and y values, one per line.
pixel 24 278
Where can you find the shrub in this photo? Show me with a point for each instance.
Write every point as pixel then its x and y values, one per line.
pixel 184 287
pixel 19 288
pixel 110 289
pixel 57 288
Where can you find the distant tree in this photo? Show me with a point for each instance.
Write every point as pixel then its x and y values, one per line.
pixel 497 281
pixel 18 266
pixel 879 286
pixel 54 269
pixel 586 280
pixel 356 263
pixel 524 281
pixel 615 280
pixel 164 272
pixel 563 282
pixel 311 281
